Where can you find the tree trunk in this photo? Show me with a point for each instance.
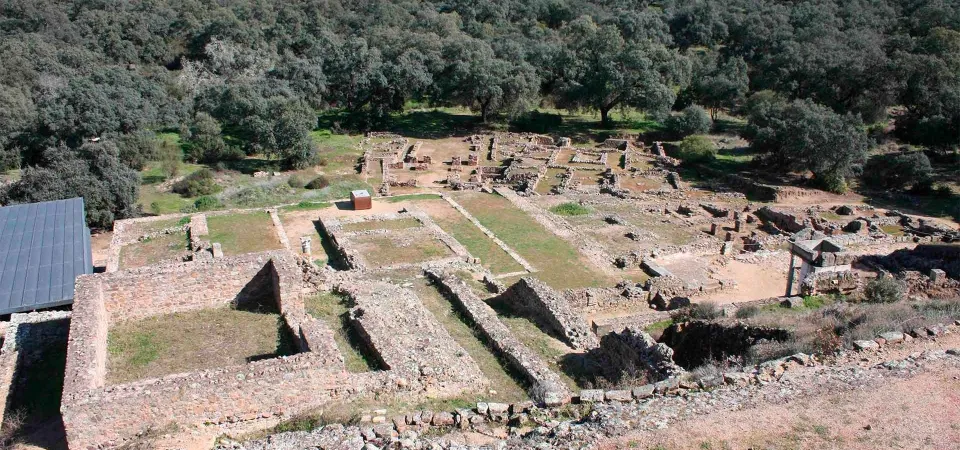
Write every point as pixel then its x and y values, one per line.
pixel 605 116
pixel 484 109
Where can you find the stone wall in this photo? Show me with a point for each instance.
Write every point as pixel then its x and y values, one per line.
pixel 550 310
pixel 782 219
pixel 546 387
pixel 409 341
pixel 142 292
pixel 95 414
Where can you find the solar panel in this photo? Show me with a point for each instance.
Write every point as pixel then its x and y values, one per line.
pixel 43 248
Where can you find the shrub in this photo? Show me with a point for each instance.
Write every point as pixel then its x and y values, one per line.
pixel 698 311
pixel 898 171
pixel 883 290
pixel 295 181
pixel 692 120
pixel 318 183
pixel 196 184
pixel 697 148
pixel 570 209
pixel 206 203
pixel 833 182
pixel 747 312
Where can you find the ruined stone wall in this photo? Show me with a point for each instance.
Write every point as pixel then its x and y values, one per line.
pixel 546 387
pixel 550 310
pixel 409 340
pixel 148 291
pixel 274 388
pixel 633 352
pixel 782 219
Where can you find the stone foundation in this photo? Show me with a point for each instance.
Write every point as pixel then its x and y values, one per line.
pixel 550 310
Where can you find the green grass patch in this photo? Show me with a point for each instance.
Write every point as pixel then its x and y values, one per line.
pixel 893 230
pixel 334 310
pixel 658 327
pixel 558 262
pixel 243 233
pixel 570 209
pixel 549 348
pixel 410 198
pixel 194 340
pixel 307 206
pixel 478 244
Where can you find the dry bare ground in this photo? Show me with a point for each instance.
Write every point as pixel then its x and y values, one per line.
pixel 918 409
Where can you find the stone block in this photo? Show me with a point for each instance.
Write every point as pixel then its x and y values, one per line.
pixel 865 345
pixel 442 419
pixel 668 385
pixel 498 409
pixel 892 337
pixel 217 250
pixel 937 276
pixel 619 395
pixel 591 395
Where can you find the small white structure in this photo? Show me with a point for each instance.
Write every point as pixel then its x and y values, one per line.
pixel 818 255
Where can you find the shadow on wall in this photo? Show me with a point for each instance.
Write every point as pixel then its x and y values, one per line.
pixel 259 295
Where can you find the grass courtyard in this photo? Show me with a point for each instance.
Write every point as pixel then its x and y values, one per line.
pixel 243 233
pixel 333 310
pixel 558 262
pixel 194 340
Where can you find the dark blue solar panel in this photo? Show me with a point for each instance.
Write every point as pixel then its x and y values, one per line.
pixel 43 248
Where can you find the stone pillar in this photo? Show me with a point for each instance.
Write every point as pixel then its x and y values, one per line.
pixel 714 229
pixel 730 236
pixel 727 248
pixel 738 225
pixel 305 243
pixel 217 250
pixel 937 276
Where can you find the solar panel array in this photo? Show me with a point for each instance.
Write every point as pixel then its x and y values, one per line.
pixel 43 248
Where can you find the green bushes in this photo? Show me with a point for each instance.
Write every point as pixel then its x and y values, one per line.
pixel 318 183
pixel 883 290
pixel 692 120
pixel 899 171
pixel 570 209
pixel 207 203
pixel 196 184
pixel 696 149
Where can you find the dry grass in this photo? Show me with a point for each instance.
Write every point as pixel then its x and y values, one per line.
pixel 393 249
pixel 823 330
pixel 194 340
pixel 164 248
pixel 398 224
pixel 243 233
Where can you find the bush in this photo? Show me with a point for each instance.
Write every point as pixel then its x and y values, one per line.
pixel 697 148
pixel 318 183
pixel 692 120
pixel 206 203
pixel 833 182
pixel 883 290
pixel 898 171
pixel 747 312
pixel 196 184
pixel 295 181
pixel 698 311
pixel 570 209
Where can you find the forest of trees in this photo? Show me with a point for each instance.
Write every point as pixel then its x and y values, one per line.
pixel 82 81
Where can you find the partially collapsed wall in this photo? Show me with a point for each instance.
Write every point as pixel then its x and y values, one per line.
pixel 546 387
pixel 550 310
pixel 410 341
pixel 632 351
